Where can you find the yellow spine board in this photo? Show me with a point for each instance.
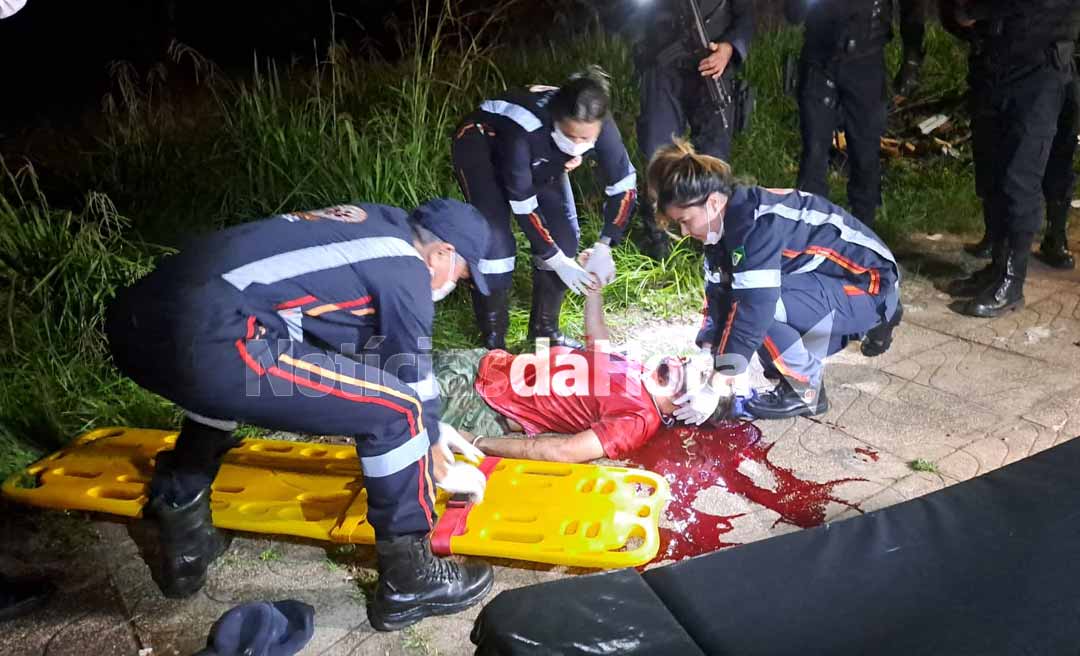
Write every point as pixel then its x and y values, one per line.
pixel 578 515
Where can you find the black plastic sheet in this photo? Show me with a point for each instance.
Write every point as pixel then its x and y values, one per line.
pixel 988 566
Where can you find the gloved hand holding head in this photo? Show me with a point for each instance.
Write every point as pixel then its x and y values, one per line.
pixel 578 110
pixel 452 237
pixel 690 190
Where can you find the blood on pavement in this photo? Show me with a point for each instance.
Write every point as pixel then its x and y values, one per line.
pixel 693 459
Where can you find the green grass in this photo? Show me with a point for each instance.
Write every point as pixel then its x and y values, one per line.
pixel 269 555
pixel 164 166
pixel 921 465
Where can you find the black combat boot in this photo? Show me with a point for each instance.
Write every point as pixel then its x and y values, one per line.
pixel 879 338
pixel 187 543
pixel 981 279
pixel 492 317
pixel 1054 249
pixel 788 400
pixel 1006 291
pixel 414 583
pixel 547 298
pixel 907 78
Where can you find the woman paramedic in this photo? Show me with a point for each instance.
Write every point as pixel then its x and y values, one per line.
pixel 514 156
pixel 789 276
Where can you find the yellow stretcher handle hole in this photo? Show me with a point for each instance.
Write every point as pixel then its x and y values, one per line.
pixel 114 493
pixel 61 471
pixel 522 538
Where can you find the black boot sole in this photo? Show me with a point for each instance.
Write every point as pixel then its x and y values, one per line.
pixel 984 312
pixel 821 408
pixel 397 620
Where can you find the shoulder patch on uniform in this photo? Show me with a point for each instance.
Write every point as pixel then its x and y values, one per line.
pixel 343 213
pixel 737 256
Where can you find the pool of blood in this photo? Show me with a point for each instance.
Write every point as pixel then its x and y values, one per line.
pixel 693 459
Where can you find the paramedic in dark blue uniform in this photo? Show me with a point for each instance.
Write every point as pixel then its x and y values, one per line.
pixel 673 93
pixel 789 276
pixel 513 157
pixel 842 82
pixel 313 322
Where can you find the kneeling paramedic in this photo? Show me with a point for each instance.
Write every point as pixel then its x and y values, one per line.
pixel 314 322
pixel 789 275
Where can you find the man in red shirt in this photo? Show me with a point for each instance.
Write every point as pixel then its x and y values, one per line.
pixel 608 404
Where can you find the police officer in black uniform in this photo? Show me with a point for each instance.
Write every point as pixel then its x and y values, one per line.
pixel 912 34
pixel 1021 76
pixel 673 93
pixel 842 81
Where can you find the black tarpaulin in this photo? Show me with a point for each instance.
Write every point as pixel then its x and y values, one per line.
pixel 988 566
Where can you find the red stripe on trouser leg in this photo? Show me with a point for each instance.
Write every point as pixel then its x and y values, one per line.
pixel 422 464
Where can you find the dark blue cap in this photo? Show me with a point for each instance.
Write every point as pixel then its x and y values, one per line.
pixel 462 226
pixel 281 628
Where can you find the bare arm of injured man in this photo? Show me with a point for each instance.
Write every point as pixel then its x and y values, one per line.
pixel 583 446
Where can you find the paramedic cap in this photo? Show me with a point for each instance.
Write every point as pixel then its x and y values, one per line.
pixel 461 225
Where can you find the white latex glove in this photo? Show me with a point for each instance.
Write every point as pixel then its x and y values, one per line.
pixel 600 263
pixel 451 442
pixel 571 273
pixel 463 478
pixel 697 406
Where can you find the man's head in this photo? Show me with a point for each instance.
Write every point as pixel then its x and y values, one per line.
pixel 452 237
pixel 667 382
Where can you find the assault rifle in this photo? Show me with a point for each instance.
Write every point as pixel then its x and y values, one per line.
pixel 721 99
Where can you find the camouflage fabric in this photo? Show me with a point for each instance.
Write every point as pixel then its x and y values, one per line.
pixel 462 407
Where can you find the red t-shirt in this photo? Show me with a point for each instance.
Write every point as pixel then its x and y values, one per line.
pixel 570 391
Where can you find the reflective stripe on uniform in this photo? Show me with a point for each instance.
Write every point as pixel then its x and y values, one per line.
pixel 756 279
pixel 780 314
pixel 524 206
pixel 516 113
pixel 814 217
pixel 302 261
pixel 397 458
pixel 501 265
pixel 293 318
pixel 626 184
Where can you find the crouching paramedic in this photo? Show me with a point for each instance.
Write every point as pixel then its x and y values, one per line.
pixel 314 322
pixel 605 404
pixel 789 276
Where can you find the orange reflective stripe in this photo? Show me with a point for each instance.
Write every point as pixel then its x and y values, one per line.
pixel 774 353
pixel 727 328
pixel 534 219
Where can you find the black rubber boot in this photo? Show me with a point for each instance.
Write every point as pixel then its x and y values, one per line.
pixel 784 401
pixel 21 596
pixel 1054 249
pixel 1006 292
pixel 492 317
pixel 187 543
pixel 879 338
pixel 651 239
pixel 547 298
pixel 414 583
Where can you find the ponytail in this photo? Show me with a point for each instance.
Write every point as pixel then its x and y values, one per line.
pixel 584 97
pixel 679 177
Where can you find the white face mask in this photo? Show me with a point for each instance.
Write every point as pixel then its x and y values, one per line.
pixel 568 146
pixel 10 7
pixel 714 237
pixel 444 290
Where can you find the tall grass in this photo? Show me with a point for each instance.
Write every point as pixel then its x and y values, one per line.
pixel 175 160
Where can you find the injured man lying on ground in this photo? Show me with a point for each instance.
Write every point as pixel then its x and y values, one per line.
pixel 601 403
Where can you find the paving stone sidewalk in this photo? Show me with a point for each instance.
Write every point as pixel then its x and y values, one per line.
pixel 967 395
